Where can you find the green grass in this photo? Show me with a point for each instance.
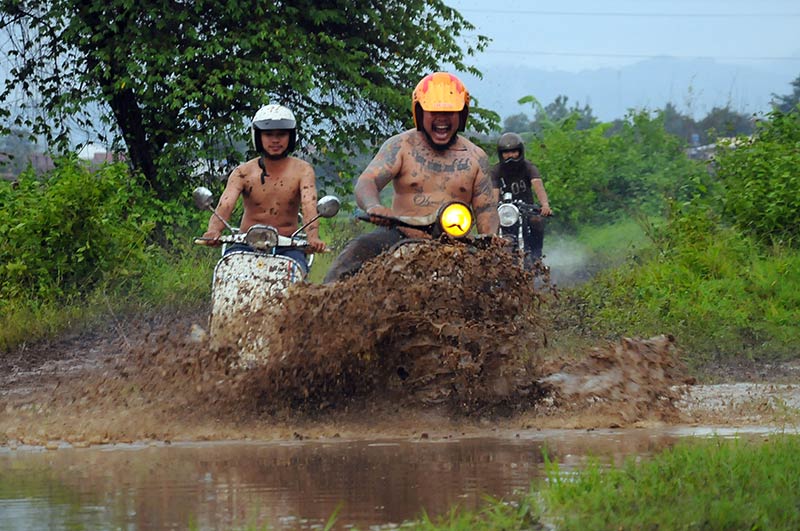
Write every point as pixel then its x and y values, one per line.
pixel 178 282
pixel 698 484
pixel 718 292
pixel 615 241
pixel 710 484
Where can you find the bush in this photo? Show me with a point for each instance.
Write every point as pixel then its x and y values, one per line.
pixel 762 180
pixel 712 287
pixel 599 175
pixel 69 230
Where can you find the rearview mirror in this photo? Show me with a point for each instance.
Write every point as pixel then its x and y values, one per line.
pixel 203 198
pixel 328 206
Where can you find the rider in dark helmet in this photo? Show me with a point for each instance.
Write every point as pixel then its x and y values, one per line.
pixel 519 177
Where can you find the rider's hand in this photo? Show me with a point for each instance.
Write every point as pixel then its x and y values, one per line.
pixel 546 211
pixel 379 210
pixel 315 245
pixel 211 238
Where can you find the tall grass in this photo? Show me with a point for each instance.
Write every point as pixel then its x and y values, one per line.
pixel 715 289
pixel 698 484
pixel 710 484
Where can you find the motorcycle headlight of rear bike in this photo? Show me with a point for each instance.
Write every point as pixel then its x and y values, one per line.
pixel 508 214
pixel 261 237
pixel 456 219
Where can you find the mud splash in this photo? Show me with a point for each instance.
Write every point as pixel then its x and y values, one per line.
pixel 436 332
pixel 431 324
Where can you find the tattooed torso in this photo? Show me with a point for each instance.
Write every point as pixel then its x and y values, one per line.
pixel 425 178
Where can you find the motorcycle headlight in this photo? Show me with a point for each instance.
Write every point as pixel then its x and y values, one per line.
pixel 261 237
pixel 456 219
pixel 508 214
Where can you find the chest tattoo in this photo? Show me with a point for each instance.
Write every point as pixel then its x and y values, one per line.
pixel 436 166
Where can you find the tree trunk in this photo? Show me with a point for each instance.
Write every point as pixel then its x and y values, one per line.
pixel 129 118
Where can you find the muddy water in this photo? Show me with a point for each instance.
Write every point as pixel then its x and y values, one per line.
pixel 379 359
pixel 291 485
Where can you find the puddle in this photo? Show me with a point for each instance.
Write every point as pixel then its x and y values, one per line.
pixel 295 485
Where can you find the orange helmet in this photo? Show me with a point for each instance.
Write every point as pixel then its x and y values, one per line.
pixel 440 92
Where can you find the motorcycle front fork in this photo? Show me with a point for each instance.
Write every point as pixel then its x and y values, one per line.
pixel 515 236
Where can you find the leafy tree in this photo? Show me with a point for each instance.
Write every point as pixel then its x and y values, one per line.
pixel 678 124
pixel 723 122
pixel 761 179
pixel 594 176
pixel 789 101
pixel 179 81
pixel 15 152
pixel 558 111
pixel 517 123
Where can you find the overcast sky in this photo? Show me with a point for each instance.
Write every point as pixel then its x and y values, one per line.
pixel 575 35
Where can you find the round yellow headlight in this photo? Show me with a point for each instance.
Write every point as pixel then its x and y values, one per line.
pixel 456 219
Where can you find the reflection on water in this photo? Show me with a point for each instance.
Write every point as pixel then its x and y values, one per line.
pixel 285 485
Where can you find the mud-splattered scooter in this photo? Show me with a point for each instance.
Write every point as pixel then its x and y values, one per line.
pixel 245 281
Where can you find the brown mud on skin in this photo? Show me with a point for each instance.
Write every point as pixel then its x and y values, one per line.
pixel 444 340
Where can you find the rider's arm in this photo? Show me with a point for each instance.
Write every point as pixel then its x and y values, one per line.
pixel 380 172
pixel 227 202
pixel 308 203
pixel 541 195
pixel 538 188
pixel 308 198
pixel 484 197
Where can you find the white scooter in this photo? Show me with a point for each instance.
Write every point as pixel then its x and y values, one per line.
pixel 247 281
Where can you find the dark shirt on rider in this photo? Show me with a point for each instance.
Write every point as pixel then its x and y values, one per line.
pixel 515 177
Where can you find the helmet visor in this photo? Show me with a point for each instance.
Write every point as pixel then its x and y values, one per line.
pixel 264 125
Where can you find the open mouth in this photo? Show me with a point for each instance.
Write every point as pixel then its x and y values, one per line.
pixel 441 132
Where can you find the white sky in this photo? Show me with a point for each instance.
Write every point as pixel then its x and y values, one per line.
pixel 575 35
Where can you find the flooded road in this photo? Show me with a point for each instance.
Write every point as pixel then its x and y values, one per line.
pixel 294 485
pixel 374 420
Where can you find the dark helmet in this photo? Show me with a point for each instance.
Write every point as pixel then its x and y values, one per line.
pixel 510 142
pixel 442 92
pixel 273 117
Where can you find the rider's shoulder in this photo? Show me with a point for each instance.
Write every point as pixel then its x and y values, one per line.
pixel 244 170
pixel 296 162
pixel 406 137
pixel 467 144
pixel 247 166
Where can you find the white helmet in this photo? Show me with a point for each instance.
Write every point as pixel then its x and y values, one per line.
pixel 273 117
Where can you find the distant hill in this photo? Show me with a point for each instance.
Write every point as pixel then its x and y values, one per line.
pixel 694 86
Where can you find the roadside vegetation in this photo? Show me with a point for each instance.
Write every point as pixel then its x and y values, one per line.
pixel 698 484
pixel 706 251
pixel 715 260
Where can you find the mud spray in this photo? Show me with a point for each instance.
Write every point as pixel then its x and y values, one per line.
pixel 452 329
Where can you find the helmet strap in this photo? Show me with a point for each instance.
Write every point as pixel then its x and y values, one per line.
pixel 263 166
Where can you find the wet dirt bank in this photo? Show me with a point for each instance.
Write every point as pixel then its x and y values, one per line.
pixel 393 352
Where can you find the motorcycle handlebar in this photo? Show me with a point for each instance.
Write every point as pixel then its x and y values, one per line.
pixel 283 241
pixel 526 208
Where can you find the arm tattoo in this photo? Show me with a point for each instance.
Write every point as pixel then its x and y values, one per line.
pixel 381 166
